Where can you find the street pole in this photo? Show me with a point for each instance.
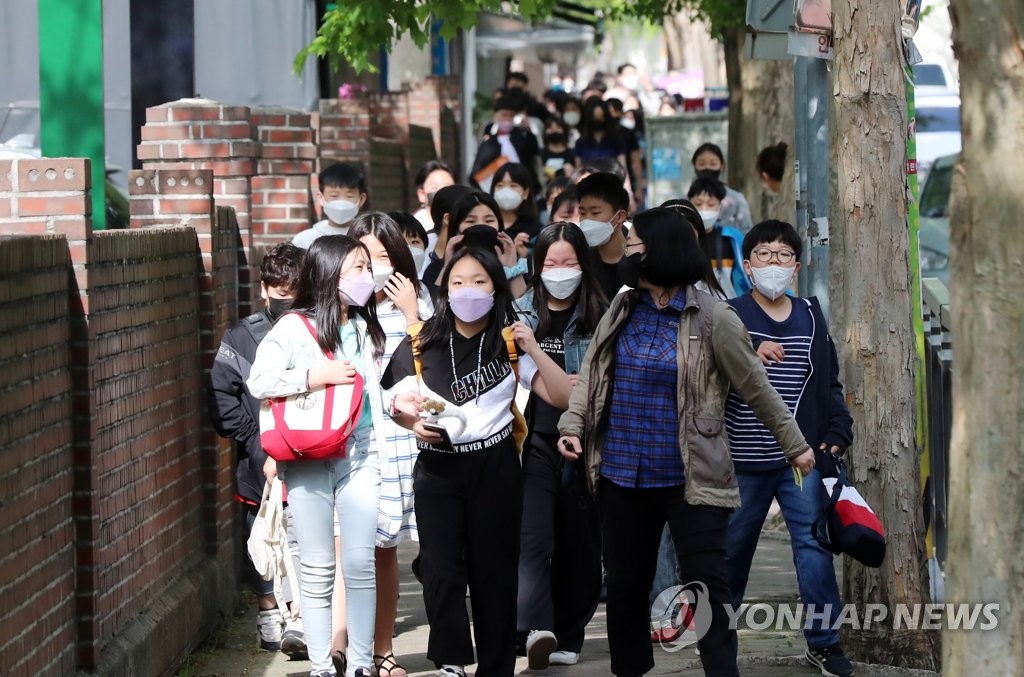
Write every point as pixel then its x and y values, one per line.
pixel 810 87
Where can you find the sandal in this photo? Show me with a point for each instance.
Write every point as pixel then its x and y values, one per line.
pixel 340 662
pixel 387 666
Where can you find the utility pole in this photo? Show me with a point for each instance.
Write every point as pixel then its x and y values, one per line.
pixel 810 88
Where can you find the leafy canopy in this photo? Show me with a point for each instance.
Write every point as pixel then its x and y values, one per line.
pixel 355 30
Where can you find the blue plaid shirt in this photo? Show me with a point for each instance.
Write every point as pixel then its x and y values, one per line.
pixel 641 448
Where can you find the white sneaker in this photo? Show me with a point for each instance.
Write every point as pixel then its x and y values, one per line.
pixel 539 645
pixel 451 671
pixel 269 626
pixel 564 658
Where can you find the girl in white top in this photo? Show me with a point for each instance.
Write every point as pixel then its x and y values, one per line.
pixel 334 292
pixel 401 301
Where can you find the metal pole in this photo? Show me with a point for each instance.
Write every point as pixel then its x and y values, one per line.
pixel 810 84
pixel 469 140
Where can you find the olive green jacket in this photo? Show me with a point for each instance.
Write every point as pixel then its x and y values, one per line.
pixel 713 353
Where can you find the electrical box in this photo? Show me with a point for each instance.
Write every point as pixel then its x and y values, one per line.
pixel 770 16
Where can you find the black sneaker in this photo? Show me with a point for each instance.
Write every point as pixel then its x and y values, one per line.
pixel 830 660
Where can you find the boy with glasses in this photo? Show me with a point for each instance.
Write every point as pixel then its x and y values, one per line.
pixel 791 337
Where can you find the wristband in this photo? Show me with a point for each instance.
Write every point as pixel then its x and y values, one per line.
pixel 521 268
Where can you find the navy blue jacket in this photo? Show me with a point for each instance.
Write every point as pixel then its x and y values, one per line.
pixel 822 417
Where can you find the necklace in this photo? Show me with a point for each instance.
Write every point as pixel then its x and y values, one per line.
pixel 457 386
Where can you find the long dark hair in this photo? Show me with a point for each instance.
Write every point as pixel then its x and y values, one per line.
pixel 686 209
pixel 385 229
pixel 439 328
pixel 317 296
pixel 467 204
pixel 521 175
pixel 587 125
pixel 590 300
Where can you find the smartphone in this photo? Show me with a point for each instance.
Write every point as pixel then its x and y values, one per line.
pixel 446 440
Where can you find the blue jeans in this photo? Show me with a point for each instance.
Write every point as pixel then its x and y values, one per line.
pixel 316 490
pixel 815 575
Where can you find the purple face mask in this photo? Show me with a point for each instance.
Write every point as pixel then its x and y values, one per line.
pixel 356 291
pixel 469 305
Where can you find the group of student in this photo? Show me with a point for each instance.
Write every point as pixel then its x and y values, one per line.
pixel 654 408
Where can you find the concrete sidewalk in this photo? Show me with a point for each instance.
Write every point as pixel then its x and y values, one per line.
pixel 233 652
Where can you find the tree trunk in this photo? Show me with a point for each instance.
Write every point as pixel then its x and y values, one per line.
pixel 675 40
pixel 739 134
pixel 767 118
pixel 986 486
pixel 871 318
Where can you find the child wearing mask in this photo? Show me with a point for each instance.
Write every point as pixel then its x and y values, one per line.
pixel 603 205
pixel 721 242
pixel 557 157
pixel 709 162
pixel 560 558
pixel 342 194
pixel 468 478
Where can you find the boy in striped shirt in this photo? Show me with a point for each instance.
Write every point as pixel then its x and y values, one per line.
pixel 792 339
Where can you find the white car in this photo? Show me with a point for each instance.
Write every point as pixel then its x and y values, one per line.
pixel 938 130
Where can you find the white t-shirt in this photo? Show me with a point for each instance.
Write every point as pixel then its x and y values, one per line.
pixel 319 229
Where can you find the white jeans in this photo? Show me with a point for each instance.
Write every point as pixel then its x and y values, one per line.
pixel 349 487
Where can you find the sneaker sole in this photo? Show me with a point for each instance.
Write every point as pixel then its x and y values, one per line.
pixel 818 664
pixel 538 656
pixel 564 661
pixel 295 649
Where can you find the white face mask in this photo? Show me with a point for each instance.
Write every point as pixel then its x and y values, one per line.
pixel 381 274
pixel 508 199
pixel 628 123
pixel 341 212
pixel 630 82
pixel 419 255
pixel 572 118
pixel 561 282
pixel 772 281
pixel 596 232
pixel 709 218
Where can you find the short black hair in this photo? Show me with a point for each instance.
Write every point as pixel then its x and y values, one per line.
pixel 707 148
pixel 558 184
pixel 443 202
pixel 604 186
pixel 615 104
pixel 518 75
pixel 468 203
pixel 672 257
pixel 705 184
pixel 568 195
pixel 431 167
pixel 624 67
pixel 511 99
pixel 281 265
pixel 609 165
pixel 773 231
pixel 343 175
pixel 409 225
pixel 772 160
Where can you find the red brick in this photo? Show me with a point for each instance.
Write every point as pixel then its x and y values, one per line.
pixel 52 205
pixel 234 130
pixel 179 112
pixel 184 206
pixel 272 135
pixel 55 174
pixel 153 132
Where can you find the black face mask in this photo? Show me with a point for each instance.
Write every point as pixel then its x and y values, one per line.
pixel 628 268
pixel 710 174
pixel 556 138
pixel 278 307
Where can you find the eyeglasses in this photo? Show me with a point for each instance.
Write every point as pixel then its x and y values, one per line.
pixel 625 247
pixel 783 256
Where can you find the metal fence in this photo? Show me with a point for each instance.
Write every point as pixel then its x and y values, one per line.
pixel 939 378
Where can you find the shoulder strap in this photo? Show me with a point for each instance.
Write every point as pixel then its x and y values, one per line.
pixel 312 330
pixel 257 325
pixel 510 346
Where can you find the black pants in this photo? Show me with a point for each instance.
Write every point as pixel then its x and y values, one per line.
pixel 468 509
pixel 560 556
pixel 632 522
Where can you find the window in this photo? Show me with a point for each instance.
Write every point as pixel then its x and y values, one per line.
pixel 938 120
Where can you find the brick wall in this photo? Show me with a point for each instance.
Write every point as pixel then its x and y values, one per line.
pixel 387 182
pixel 37 566
pixel 281 200
pixel 343 134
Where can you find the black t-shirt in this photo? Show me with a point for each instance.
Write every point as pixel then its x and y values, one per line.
pixel 554 163
pixel 608 276
pixel 529 226
pixel 543 416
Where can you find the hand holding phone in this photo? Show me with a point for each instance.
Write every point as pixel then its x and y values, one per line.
pixel 445 441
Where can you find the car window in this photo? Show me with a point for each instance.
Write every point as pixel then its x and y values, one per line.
pixel 938 120
pixel 929 75
pixel 935 196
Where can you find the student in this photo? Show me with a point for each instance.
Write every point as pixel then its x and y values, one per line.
pixel 721 243
pixel 603 206
pixel 511 190
pixel 415 236
pixel 653 447
pixel 598 140
pixel 401 302
pixel 468 484
pixel 342 194
pixel 480 209
pixel 630 141
pixel 572 113
pixel 432 177
pixel 557 158
pixel 560 558
pixel 566 206
pixel 708 162
pixel 509 140
pixel 440 210
pixel 791 337
pixel 771 166
pixel 235 413
pixel 335 293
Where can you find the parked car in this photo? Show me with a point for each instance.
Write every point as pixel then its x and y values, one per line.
pixel 933 77
pixel 934 208
pixel 19 134
pixel 938 130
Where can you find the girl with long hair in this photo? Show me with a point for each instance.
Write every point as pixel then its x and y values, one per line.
pixel 457 372
pixel 335 293
pixel 560 557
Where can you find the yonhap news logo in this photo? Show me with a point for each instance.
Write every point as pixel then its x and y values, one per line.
pixel 681 615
